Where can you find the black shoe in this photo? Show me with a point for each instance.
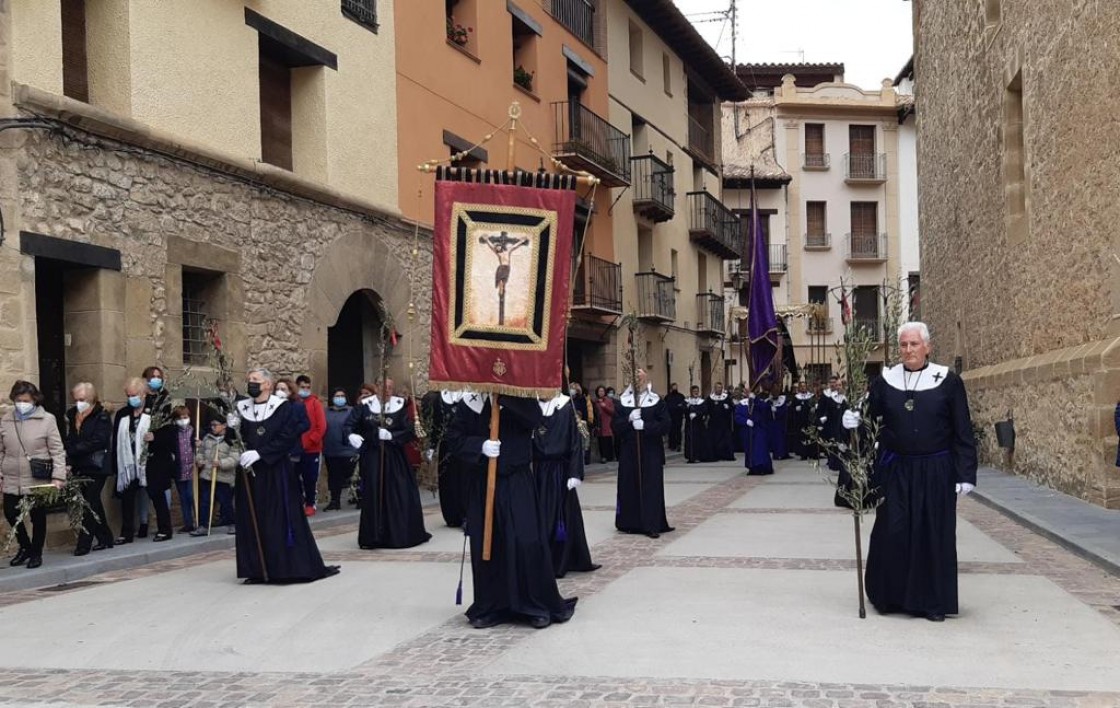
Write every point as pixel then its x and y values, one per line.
pixel 186 529
pixel 653 534
pixel 486 621
pixel 121 540
pixel 20 557
pixel 935 617
pixel 34 561
pixel 539 622
pixel 82 551
pixel 102 546
pixel 333 506
pixel 143 532
pixel 200 531
pixel 161 537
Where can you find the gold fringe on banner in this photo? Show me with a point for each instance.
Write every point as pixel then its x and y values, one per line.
pixel 500 389
pixel 517 178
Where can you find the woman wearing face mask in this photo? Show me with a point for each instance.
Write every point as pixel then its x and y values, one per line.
pixel 163 468
pixel 156 399
pixel 88 432
pixel 131 435
pixel 337 453
pixel 29 433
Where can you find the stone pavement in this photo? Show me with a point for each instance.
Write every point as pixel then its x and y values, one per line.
pixel 750 602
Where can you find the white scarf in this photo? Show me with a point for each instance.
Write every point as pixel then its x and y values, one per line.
pixel 130 451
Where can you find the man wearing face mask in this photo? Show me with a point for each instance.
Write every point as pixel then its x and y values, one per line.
pixel 274 540
pixel 312 443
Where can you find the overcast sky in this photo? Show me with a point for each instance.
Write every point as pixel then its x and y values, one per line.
pixel 871 37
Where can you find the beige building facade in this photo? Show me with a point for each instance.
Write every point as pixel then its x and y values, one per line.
pixel 1020 197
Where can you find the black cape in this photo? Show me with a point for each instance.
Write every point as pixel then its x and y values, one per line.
pixel 678 407
pixel 392 516
pixel 800 418
pixel 290 552
pixel 453 479
pixel 518 581
pixel 696 447
pixel 923 454
pixel 641 470
pixel 558 457
pixel 721 428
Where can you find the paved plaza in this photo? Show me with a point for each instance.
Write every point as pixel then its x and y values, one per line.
pixel 750 602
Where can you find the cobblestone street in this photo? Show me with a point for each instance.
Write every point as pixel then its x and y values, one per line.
pixel 750 602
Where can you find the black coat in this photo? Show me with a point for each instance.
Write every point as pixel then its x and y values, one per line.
pixel 82 445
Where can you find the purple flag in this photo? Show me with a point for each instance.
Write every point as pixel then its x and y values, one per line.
pixel 762 321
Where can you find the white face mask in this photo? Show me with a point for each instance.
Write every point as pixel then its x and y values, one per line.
pixel 24 407
pixel 82 406
pixel 182 422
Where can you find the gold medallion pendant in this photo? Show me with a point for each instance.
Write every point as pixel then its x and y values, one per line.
pixel 910 404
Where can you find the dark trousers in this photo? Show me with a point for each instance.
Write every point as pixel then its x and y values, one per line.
pixel 606 449
pixel 339 471
pixel 675 424
pixel 128 508
pixel 33 545
pixel 223 498
pixel 308 467
pixel 186 501
pixel 94 528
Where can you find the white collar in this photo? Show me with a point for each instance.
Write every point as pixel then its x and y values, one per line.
pixel 649 398
pixel 720 397
pixel 803 396
pixel 256 412
pixel 694 401
pixel 746 401
pixel 451 397
pixel 932 376
pixel 838 397
pixel 779 401
pixel 474 400
pixel 395 404
pixel 552 405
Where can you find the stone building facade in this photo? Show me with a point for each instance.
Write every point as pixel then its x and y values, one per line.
pixel 1020 197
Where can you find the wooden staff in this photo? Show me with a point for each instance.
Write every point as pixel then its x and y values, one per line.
pixel 253 517
pixel 213 490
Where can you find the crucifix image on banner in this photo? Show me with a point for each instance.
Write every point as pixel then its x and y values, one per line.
pixel 509 250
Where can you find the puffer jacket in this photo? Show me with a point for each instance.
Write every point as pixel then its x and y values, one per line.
pixel 41 440
pixel 226 458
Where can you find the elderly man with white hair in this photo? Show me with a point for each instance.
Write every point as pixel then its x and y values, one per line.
pixel 927 458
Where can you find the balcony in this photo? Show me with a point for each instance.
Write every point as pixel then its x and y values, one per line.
pixel 867 248
pixel 872 326
pixel 586 141
pixel 654 194
pixel 713 227
pixel 657 300
pixel 865 168
pixel 779 263
pixel 701 143
pixel 818 242
pixel 710 314
pixel 598 287
pixel 578 16
pixel 815 326
pixel 815 161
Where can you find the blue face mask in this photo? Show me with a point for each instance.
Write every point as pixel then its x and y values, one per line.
pixel 155 383
pixel 339 401
pixel 135 401
pixel 304 393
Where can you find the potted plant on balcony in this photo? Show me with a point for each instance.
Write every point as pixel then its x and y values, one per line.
pixel 457 33
pixel 523 78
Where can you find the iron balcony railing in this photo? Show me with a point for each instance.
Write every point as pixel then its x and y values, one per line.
pixel 815 160
pixel 818 241
pixel 872 325
pixel 585 140
pixel 578 16
pixel 364 12
pixel 713 226
pixel 865 167
pixel 657 299
pixel 710 313
pixel 654 194
pixel 701 141
pixel 818 325
pixel 779 263
pixel 867 247
pixel 598 286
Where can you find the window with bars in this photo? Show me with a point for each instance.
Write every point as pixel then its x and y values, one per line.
pixel 364 12
pixel 814 145
pixel 865 218
pixel 198 297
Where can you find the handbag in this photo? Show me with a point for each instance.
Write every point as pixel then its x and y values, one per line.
pixel 40 469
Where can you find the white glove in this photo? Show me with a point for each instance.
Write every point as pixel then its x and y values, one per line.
pixel 492 448
pixel 750 423
pixel 850 421
pixel 797 408
pixel 356 440
pixel 639 424
pixel 430 454
pixel 574 482
pixel 233 420
pixel 842 447
pixel 635 414
pixel 691 416
pixel 384 434
pixel 963 488
pixel 824 418
pixel 249 457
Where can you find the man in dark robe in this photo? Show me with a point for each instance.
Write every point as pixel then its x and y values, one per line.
pixel 696 448
pixel 518 583
pixel 721 424
pixel 927 458
pixel 779 410
pixel 639 422
pixel 836 405
pixel 676 403
pixel 801 417
pixel 755 418
pixel 453 479
pixel 269 509
pixel 392 515
pixel 558 467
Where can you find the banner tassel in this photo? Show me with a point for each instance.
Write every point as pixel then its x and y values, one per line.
pixel 462 563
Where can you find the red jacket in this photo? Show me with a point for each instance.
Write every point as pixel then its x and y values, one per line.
pixel 312 440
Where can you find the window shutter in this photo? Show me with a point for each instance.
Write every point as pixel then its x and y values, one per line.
pixel 75 73
pixel 276 112
pixel 861 139
pixel 814 218
pixel 865 218
pixel 814 139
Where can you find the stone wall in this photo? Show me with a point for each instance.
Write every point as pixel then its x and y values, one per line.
pixel 1021 283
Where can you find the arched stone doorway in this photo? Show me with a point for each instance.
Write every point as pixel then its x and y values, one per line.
pixel 353 353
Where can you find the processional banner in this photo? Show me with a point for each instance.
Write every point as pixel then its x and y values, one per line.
pixel 501 270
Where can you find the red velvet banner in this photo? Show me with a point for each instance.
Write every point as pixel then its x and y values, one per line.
pixel 501 272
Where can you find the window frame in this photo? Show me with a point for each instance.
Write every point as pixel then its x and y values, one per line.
pixel 355 15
